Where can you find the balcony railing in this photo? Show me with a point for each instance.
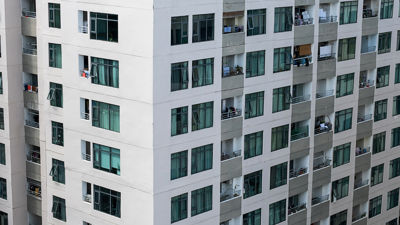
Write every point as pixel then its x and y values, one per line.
pixel 230 155
pixel 299 99
pixel 302 61
pixel 302 22
pixel 358 217
pixel 30 88
pixel 325 93
pixel 319 199
pixel 368 49
pixel 28 13
pixel 362 118
pixel 321 162
pixel 383 50
pixel 86 157
pixel 29 51
pixel 295 209
pixel 361 184
pixel 231 114
pixel 34 190
pixel 230 193
pixel 323 128
pixel 87 198
pixel 83 29
pixel 367 13
pixel 365 84
pixel 298 133
pixel 85 116
pixel 232 71
pixel 297 172
pixel 233 29
pixel 326 56
pixel 31 123
pixel 361 151
pixel 33 156
pixel 328 19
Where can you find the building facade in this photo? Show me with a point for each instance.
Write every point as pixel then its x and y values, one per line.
pixel 230 112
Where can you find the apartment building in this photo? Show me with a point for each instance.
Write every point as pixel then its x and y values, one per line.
pixel 246 112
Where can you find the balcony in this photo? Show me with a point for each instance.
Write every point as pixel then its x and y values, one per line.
pixel 328 28
pixel 298 133
pixel 29 60
pixel 300 99
pixel 33 155
pixel 28 23
pixel 231 168
pixel 360 194
pixel 233 5
pixel 298 172
pixel 297 214
pixel 368 61
pixel 320 208
pixel 369 22
pixel 363 118
pixel 230 155
pixel 326 66
pixel 302 69
pixel 83 29
pixel 230 189
pixel 87 198
pixel 231 113
pixel 34 188
pixel 361 184
pixel 230 209
pixel 33 170
pixel 233 33
pixel 360 219
pixel 328 19
pixel 34 205
pixel 319 199
pixel 366 92
pixel 297 208
pixel 363 159
pixel 321 162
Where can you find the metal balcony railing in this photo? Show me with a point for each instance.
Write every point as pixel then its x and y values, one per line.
pixel 228 71
pixel 319 199
pixel 231 114
pixel 368 49
pixel 358 217
pixel 331 55
pixel 365 84
pixel 83 29
pixel 297 172
pixel 298 133
pixel 85 116
pixel 300 99
pixel 232 29
pixel 230 155
pixel 302 61
pixel 362 118
pixel 297 208
pixel 326 127
pixel 367 13
pixel 361 184
pixel 325 93
pixel 31 123
pixel 28 13
pixel 302 22
pixel 328 19
pixel 33 157
pixel 29 51
pixel 321 162
pixel 86 157
pixel 229 194
pixel 361 151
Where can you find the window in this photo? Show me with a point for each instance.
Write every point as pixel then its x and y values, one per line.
pixel 253 144
pixel 277 212
pixel 382 76
pixel 379 142
pixel 3 188
pixel 58 209
pixel 393 198
pixel 3 218
pixel 375 206
pixel 397 73
pixel 343 120
pixel 341 155
pixel 55 55
pixel 252 218
pixel 256 21
pixel 376 175
pixel 58 171
pixel 202 72
pixel 398 41
pixel 105 72
pixel 179 121
pixel 2 154
pixel 252 184
pixel 384 42
pixel 392 222
pixel 57 132
pixel 347 49
pixel 254 105
pixel 394 168
pixel 380 110
pixel 202 115
pixel 255 63
pixel 283 20
pixel 386 9
pixel 1 83
pixel 278 175
pixel 348 12
pixel 54 15
pixel 104 27
pixel 179 207
pixel 339 218
pixel 282 59
pixel 281 99
pixel 56 95
pixel 395 137
pixel 179 76
pixel 279 137
pixel 201 200
pixel 344 85
pixel 203 28
pixel 105 116
pixel 340 188
pixel 202 158
pixel 106 158
pixel 396 105
pixel 1 119
pixel 107 201
pixel 179 30
pixel 179 164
